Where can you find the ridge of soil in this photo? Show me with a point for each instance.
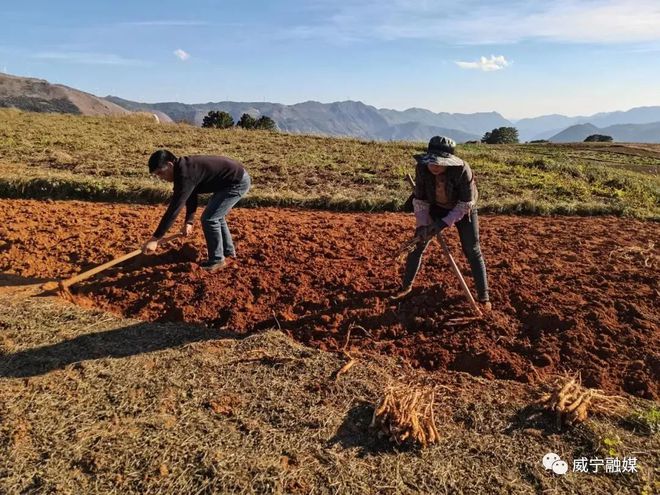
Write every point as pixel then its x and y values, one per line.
pixel 570 294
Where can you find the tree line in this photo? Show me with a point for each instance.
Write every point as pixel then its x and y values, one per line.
pixel 223 120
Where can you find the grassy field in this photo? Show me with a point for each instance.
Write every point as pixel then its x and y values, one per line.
pixel 101 158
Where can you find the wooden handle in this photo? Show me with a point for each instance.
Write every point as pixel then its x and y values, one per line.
pixel 85 275
pixel 459 275
pixel 411 180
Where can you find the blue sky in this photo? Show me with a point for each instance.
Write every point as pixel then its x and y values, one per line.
pixel 520 58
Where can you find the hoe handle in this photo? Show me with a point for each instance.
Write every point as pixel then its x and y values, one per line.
pixel 459 275
pixel 85 275
pixel 411 180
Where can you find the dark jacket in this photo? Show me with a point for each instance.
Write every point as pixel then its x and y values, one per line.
pixel 460 184
pixel 194 175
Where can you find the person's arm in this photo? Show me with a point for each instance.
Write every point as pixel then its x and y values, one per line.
pixel 421 205
pixel 191 207
pixel 466 199
pixel 183 189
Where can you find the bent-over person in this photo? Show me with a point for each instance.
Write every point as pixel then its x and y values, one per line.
pixel 445 195
pixel 227 181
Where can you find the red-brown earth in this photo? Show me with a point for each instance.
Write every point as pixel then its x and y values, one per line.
pixel 569 293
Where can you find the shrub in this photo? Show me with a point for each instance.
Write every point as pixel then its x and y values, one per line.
pixel 266 123
pixel 247 121
pixel 218 120
pixel 501 135
pixel 598 138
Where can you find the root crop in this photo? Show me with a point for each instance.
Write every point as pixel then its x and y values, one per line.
pixel 572 403
pixel 405 414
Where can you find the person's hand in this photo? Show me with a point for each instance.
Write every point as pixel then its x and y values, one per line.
pixel 150 246
pixel 187 229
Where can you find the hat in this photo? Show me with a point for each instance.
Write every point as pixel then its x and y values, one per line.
pixel 444 159
pixel 441 144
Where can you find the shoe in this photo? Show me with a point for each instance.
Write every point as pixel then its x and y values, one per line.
pixel 212 266
pixel 486 306
pixel 402 293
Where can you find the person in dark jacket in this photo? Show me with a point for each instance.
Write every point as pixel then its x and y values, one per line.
pixel 225 178
pixel 445 195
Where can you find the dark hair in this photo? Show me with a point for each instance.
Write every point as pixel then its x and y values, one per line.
pixel 159 159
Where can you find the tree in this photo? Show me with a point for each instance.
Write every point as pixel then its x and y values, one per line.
pixel 598 138
pixel 501 135
pixel 218 120
pixel 247 121
pixel 265 123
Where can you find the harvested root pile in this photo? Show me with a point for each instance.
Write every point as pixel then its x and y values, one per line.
pixel 405 414
pixel 572 402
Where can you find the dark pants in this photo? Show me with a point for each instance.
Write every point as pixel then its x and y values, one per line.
pixel 468 231
pixel 214 224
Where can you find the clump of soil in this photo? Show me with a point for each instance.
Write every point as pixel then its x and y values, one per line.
pixel 561 302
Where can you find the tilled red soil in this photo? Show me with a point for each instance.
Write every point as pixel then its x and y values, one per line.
pixel 569 293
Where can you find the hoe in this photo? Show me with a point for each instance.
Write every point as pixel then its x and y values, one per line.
pixel 65 284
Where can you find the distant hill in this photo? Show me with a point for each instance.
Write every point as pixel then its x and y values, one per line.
pixel 37 95
pixel 639 115
pixel 414 131
pixel 354 118
pixel 546 126
pixel 345 118
pixel 628 133
pixel 475 124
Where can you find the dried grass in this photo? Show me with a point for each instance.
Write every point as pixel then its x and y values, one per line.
pixel 92 403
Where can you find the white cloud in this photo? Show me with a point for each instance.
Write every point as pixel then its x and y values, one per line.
pixel 493 22
pixel 181 54
pixel 88 58
pixel 486 64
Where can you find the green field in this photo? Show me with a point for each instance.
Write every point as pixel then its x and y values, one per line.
pixel 103 158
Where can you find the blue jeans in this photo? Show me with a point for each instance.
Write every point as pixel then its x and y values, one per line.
pixel 214 224
pixel 468 232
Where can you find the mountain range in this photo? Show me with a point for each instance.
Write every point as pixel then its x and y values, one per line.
pixel 346 118
pixel 639 133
